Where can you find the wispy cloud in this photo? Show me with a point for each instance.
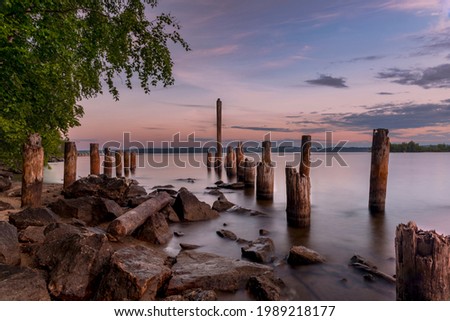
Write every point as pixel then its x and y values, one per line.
pixel 217 51
pixel 413 5
pixel 385 93
pixel 329 81
pixel 362 59
pixel 433 77
pixel 266 129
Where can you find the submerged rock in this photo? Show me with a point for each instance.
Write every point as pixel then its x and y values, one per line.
pixel 227 234
pixel 300 255
pixel 212 272
pixel 261 250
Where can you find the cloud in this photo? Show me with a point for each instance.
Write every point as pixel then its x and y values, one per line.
pixel 266 129
pixel 217 51
pixel 153 128
pixel 416 5
pixel 448 57
pixel 446 101
pixel 384 93
pixel 406 116
pixel 365 58
pixel 433 77
pixel 329 81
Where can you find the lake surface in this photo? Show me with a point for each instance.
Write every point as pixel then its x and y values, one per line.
pixel 341 225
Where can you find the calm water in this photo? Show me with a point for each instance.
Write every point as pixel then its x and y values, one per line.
pixel 341 225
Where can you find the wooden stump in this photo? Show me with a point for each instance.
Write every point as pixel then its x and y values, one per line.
pixel 108 163
pixel 240 163
pixel 422 264
pixel 298 198
pixel 118 157
pixel 249 173
pixel 133 161
pixel 126 163
pixel 70 163
pixel 305 165
pixel 209 160
pixel 379 170
pixel 265 174
pixel 231 162
pixel 33 171
pixel 95 159
pixel 219 152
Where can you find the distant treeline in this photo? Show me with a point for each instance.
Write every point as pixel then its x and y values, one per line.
pixel 413 147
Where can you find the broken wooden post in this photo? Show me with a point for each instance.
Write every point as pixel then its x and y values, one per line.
pixel 240 162
pixel 231 162
pixel 422 264
pixel 133 160
pixel 265 174
pixel 95 159
pixel 379 170
pixel 108 163
pixel 118 158
pixel 249 173
pixel 298 189
pixel 218 160
pixel 70 163
pixel 33 171
pixel 131 220
pixel 126 163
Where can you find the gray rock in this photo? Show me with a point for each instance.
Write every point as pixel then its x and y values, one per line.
pixel 135 273
pixel 300 255
pixel 264 288
pixel 212 272
pixel 190 209
pixel 9 244
pixel 155 230
pixel 75 258
pixel 261 250
pixel 22 284
pixel 227 234
pixel 40 216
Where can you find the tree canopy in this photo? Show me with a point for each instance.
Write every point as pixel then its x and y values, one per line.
pixel 54 53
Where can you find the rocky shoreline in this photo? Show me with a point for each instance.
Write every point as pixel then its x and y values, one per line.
pixel 68 250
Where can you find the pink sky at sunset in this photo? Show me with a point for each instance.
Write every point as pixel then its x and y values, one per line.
pixel 292 68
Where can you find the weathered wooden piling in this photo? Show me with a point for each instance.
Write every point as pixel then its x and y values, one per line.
pixel 379 170
pixel 108 163
pixel 249 173
pixel 240 163
pixel 133 161
pixel 219 152
pixel 209 160
pixel 265 174
pixel 422 264
pixel 126 163
pixel 119 164
pixel 95 159
pixel 33 171
pixel 231 162
pixel 70 163
pixel 298 189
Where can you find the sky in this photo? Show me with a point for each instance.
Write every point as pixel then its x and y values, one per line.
pixel 292 67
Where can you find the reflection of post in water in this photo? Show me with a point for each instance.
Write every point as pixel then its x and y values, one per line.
pixel 380 242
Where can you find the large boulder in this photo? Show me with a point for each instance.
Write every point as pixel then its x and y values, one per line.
pixel 155 230
pixel 75 258
pixel 190 209
pixel 261 250
pixel 115 188
pixel 22 284
pixel 92 210
pixel 212 272
pixel 135 273
pixel 9 244
pixel 40 216
pixel 300 255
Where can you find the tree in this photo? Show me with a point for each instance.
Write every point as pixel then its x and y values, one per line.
pixel 54 53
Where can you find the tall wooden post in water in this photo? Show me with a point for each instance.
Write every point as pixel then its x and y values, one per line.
pixel 265 174
pixel 33 171
pixel 219 133
pixel 231 162
pixel 70 163
pixel 379 170
pixel 422 264
pixel 240 162
pixel 95 159
pixel 133 162
pixel 108 163
pixel 298 189
pixel 119 165
pixel 249 173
